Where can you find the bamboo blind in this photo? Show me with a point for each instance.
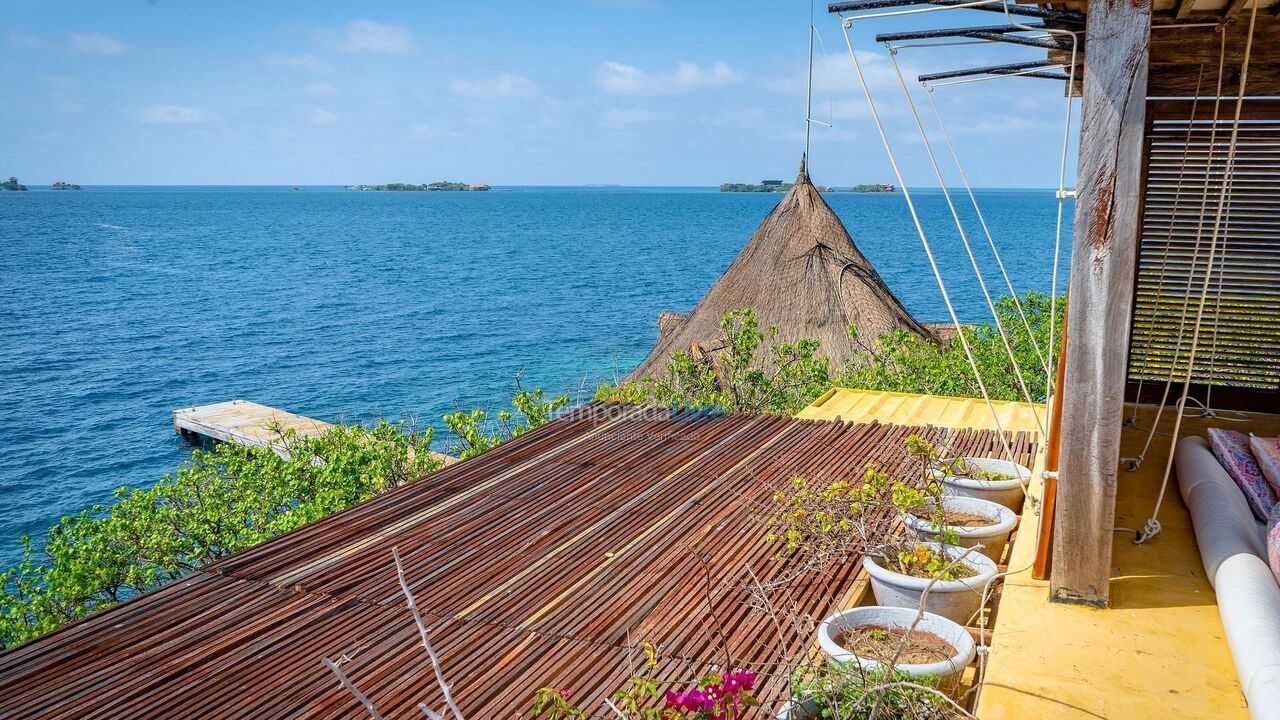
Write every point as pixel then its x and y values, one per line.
pixel 1239 343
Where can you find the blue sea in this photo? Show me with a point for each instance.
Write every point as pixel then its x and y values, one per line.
pixel 120 304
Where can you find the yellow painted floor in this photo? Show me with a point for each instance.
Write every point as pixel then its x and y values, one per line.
pixel 1158 652
pixel 910 409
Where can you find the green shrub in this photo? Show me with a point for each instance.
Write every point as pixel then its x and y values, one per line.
pixel 747 375
pixel 476 431
pixel 905 362
pixel 225 500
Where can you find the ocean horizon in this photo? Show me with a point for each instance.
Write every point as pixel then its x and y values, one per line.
pixel 124 302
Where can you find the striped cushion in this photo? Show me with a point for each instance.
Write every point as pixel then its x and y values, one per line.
pixel 1273 542
pixel 1232 450
pixel 1267 452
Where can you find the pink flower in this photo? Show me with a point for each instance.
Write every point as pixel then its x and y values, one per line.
pixel 564 693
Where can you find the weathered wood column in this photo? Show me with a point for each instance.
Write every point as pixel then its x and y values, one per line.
pixel 1100 296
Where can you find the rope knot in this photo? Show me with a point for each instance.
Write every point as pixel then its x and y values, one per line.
pixel 1148 531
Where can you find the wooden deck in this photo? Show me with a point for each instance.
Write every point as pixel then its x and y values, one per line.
pixel 1158 653
pixel 910 409
pixel 244 423
pixel 544 561
pixel 248 423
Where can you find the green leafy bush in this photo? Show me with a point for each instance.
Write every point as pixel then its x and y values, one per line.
pixel 905 362
pixel 752 372
pixel 225 500
pixel 744 375
pixel 476 431
pixel 844 691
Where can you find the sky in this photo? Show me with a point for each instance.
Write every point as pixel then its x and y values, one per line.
pixel 561 92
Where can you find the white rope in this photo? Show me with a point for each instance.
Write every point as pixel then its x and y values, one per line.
pixel 1164 260
pixel 1062 183
pixel 1152 527
pixel 846 24
pixel 1135 463
pixel 1207 406
pixel 964 239
pixel 982 220
pixel 1053 300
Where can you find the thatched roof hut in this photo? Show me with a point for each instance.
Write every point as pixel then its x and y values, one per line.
pixel 800 272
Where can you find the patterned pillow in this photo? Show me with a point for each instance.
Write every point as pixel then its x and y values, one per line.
pixel 1273 542
pixel 1232 450
pixel 1267 452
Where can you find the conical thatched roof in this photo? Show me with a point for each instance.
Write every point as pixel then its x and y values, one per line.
pixel 800 272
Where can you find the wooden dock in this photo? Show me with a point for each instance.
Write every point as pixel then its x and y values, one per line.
pixel 248 423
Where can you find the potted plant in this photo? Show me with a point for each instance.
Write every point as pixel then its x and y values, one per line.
pixel 997 481
pixel 846 691
pixel 934 648
pixel 936 515
pixel 963 522
pixel 954 577
pixel 837 521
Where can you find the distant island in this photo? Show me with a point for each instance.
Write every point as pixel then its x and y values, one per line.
pixel 13 184
pixel 60 185
pixel 429 187
pixel 765 186
pixel 878 187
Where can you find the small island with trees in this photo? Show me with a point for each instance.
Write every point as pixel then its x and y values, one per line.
pixel 765 186
pixel 440 186
pixel 13 184
pixel 61 185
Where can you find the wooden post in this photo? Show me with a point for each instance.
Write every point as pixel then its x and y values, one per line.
pixel 1053 444
pixel 1100 296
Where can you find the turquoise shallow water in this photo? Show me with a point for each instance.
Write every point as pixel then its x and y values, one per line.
pixel 119 304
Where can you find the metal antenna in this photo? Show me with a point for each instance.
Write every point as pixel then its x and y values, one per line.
pixel 808 95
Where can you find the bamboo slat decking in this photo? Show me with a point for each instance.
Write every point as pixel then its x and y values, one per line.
pixel 545 561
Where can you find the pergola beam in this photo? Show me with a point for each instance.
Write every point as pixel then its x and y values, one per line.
pixel 985 70
pixel 952 32
pixel 1100 298
pixel 1035 11
pixel 1233 8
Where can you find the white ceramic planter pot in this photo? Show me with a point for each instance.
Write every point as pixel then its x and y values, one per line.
pixel 799 710
pixel 949 671
pixel 991 537
pixel 1005 492
pixel 956 600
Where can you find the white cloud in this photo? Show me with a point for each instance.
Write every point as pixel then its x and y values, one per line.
pixel 628 116
pixel 322 117
pixel 369 36
pixel 25 40
pixel 308 63
pixel 503 86
pixel 95 43
pixel 321 90
pixel 170 114
pixel 622 79
pixel 834 75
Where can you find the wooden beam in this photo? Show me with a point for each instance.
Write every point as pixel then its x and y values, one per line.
pixel 1100 297
pixel 1049 493
pixel 1184 8
pixel 1233 8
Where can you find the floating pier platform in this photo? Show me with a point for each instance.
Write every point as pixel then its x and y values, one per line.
pixel 248 423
